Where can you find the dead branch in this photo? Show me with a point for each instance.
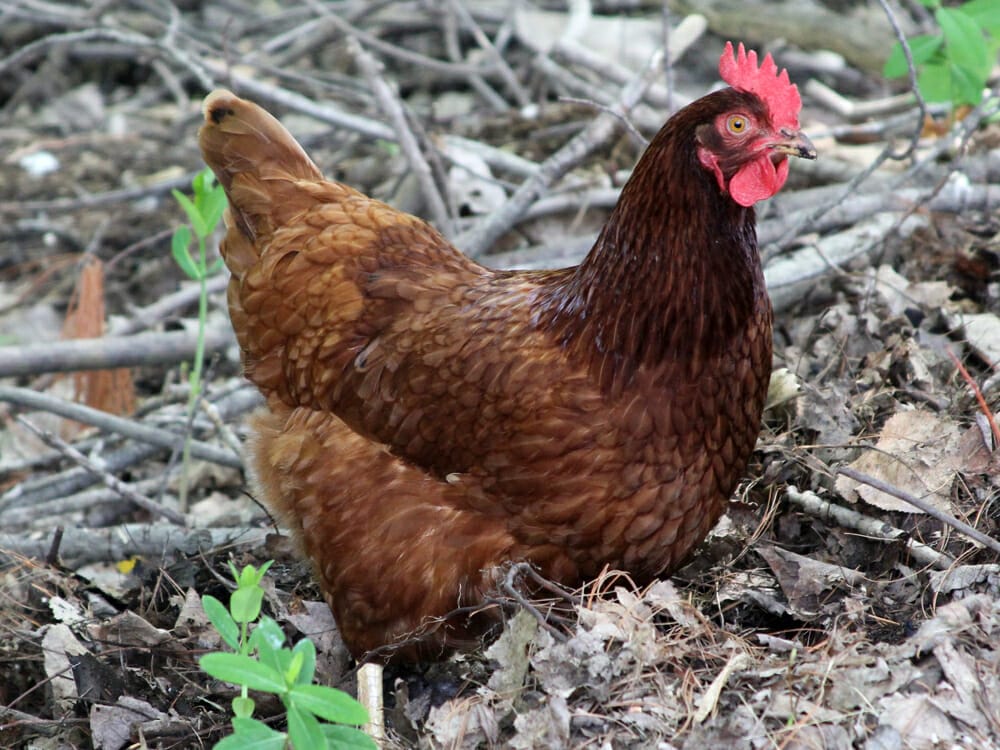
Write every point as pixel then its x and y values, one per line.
pixel 110 352
pixel 109 423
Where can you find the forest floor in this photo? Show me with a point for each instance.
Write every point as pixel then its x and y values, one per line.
pixel 826 610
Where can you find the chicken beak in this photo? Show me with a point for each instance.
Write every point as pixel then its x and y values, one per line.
pixel 794 143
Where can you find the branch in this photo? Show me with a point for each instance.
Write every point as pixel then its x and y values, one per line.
pixel 109 352
pixel 152 541
pixel 135 430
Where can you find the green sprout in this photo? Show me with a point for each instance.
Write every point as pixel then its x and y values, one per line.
pixel 317 716
pixel 203 214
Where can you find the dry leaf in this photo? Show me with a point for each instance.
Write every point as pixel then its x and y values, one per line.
pixel 108 390
pixel 918 452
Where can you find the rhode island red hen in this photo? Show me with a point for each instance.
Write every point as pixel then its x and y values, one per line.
pixel 429 419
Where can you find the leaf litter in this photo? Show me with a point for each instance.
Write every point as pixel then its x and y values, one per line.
pixel 793 626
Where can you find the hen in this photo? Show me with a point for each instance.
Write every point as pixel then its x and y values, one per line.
pixel 429 419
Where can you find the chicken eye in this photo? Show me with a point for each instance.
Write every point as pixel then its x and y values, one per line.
pixel 736 124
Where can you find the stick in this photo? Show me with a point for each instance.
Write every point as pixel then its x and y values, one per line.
pixel 390 104
pixel 600 130
pixel 851 519
pixel 109 352
pixel 154 541
pixel 110 480
pixel 135 430
pixel 949 520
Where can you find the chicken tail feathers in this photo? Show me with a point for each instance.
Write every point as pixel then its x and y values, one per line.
pixel 258 162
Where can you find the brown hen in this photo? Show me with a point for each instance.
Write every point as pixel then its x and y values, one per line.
pixel 429 419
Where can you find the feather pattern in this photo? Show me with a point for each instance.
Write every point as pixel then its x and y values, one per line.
pixel 429 419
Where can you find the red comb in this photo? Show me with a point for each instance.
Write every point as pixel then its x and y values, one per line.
pixel 741 72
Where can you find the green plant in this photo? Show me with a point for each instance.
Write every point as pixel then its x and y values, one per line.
pixel 954 64
pixel 260 661
pixel 203 214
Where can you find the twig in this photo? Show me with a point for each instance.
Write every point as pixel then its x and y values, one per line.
pixel 96 200
pixel 610 70
pixel 928 508
pixel 565 80
pixel 142 318
pixel 507 586
pixel 499 63
pixel 390 104
pixel 32 511
pixel 52 558
pixel 811 218
pixel 601 129
pixel 851 519
pixel 325 112
pixel 109 352
pixel 441 67
pixel 136 431
pixel 527 569
pixel 111 481
pixel 593 137
pixel 35 492
pixel 155 541
pixel 911 70
pixel 127 38
pixel 38 490
pixel 476 81
pixel 978 394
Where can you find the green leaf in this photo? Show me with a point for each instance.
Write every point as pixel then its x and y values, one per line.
pixel 193 214
pixel 243 670
pixel 239 742
pixel 214 205
pixel 935 83
pixel 922 48
pixel 250 576
pixel 294 667
pixel 304 731
pixel 267 638
pixel 222 621
pixel 198 184
pixel 967 86
pixel 308 651
pixel 347 738
pixel 215 267
pixel 986 13
pixel 328 703
pixel 179 249
pixel 243 707
pixel 250 734
pixel 966 46
pixel 247 576
pixel 270 631
pixel 245 603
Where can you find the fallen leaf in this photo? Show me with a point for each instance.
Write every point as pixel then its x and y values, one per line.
pixel 919 453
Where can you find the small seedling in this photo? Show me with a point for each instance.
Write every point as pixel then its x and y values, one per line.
pixel 261 661
pixel 203 214
pixel 954 64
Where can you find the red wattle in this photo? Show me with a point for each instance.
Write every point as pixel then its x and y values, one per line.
pixel 758 180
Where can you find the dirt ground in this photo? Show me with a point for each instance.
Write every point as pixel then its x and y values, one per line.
pixel 826 610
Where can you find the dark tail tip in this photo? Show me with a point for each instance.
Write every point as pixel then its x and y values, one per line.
pixel 219 105
pixel 218 114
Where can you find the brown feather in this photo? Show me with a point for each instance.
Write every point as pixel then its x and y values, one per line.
pixel 429 419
